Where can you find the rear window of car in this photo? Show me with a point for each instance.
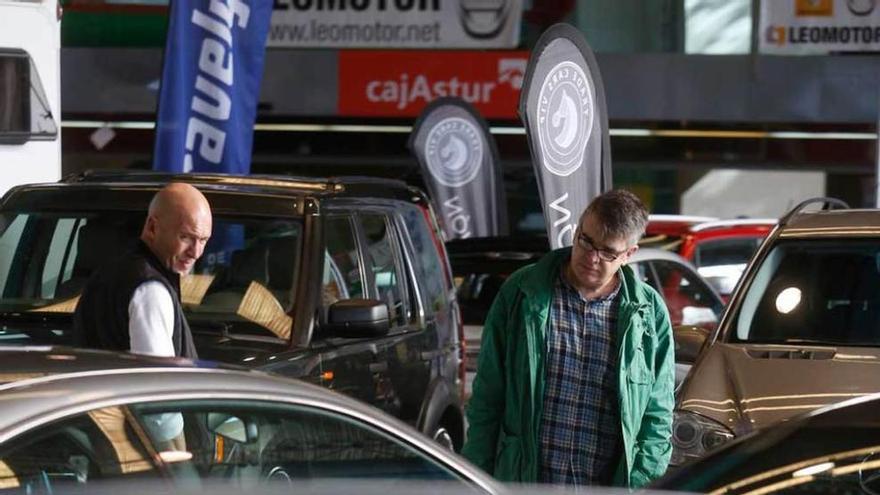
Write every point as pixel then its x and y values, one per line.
pixel 734 251
pixel 824 292
pixel 428 265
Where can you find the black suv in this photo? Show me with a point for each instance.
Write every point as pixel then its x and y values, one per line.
pixel 343 282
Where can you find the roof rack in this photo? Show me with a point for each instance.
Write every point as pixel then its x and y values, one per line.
pixel 92 174
pixel 252 179
pixel 344 184
pixel 828 204
pixel 133 176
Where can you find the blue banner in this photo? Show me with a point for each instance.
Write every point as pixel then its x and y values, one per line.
pixel 210 85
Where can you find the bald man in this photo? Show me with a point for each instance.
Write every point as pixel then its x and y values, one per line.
pixel 133 303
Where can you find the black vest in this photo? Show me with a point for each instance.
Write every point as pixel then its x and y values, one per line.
pixel 101 317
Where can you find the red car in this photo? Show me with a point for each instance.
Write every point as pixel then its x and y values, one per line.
pixel 719 249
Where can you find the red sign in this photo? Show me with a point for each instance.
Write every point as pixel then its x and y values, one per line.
pixel 380 83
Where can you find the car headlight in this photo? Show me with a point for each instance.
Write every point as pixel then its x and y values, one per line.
pixel 694 435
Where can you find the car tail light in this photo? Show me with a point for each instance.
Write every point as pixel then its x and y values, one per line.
pixel 437 236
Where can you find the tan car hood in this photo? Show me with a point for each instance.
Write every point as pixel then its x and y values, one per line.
pixel 750 386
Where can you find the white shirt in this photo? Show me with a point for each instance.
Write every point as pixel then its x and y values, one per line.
pixel 151 320
pixel 151 332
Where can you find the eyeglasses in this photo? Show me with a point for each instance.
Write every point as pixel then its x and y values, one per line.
pixel 604 254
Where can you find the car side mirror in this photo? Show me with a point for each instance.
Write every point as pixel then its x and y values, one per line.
pixel 689 341
pixel 357 318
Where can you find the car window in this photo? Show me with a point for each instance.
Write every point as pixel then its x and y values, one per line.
pixel 263 441
pixel 247 271
pixel 428 265
pixel 245 277
pixel 732 251
pixel 98 445
pixel 476 293
pixel 721 262
pixel 479 275
pixel 342 271
pixel 688 299
pixel 45 259
pixel 382 260
pixel 825 292
pixel 249 443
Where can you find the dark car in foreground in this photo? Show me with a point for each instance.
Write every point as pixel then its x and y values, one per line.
pixel 342 282
pixel 831 450
pixel 75 420
pixel 481 265
pixel 801 331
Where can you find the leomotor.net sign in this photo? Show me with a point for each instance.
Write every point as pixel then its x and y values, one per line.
pixel 790 27
pixel 395 23
pixel 402 83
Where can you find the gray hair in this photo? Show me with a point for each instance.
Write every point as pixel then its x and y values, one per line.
pixel 620 214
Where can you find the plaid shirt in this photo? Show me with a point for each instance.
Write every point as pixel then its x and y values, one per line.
pixel 580 428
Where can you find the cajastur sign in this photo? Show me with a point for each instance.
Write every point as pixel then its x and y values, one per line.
pixel 382 83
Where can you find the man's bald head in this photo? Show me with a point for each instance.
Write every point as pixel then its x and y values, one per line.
pixel 178 226
pixel 178 197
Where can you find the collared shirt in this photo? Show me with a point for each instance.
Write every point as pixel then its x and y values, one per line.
pixel 150 328
pixel 151 320
pixel 580 436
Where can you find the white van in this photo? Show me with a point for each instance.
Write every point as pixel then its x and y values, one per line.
pixel 30 92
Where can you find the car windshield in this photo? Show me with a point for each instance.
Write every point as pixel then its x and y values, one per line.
pixel 815 292
pixel 244 279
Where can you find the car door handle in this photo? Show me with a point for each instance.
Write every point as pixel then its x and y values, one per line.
pixel 378 367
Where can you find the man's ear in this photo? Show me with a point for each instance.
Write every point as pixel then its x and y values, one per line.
pixel 150 227
pixel 631 251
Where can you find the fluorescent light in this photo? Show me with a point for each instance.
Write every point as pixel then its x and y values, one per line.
pixel 508 130
pixel 95 124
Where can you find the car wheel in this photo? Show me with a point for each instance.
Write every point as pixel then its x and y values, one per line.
pixel 441 435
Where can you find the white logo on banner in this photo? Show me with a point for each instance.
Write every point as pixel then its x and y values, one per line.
pixel 454 151
pixel 565 118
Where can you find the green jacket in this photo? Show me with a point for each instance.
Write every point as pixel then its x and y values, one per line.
pixel 505 409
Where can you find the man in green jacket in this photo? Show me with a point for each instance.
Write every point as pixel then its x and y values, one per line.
pixel 575 377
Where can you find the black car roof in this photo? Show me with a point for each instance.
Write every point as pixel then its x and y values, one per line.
pixel 499 244
pixel 265 195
